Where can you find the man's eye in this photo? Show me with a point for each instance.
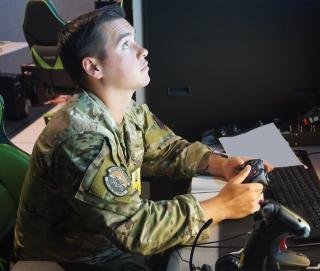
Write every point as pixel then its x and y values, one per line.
pixel 125 45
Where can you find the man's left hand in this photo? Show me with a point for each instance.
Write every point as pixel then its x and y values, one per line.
pixel 229 167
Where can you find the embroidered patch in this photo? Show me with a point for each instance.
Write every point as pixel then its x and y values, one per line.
pixel 117 181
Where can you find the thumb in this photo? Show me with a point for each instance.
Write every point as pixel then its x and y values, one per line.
pixel 240 177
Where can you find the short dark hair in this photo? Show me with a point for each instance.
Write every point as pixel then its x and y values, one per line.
pixel 83 37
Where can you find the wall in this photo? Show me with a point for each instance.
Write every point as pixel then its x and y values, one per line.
pixel 69 9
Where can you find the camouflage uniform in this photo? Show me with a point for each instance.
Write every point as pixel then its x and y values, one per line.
pixel 79 202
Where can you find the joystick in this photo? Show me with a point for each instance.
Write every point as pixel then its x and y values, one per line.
pixel 257 173
pixel 265 249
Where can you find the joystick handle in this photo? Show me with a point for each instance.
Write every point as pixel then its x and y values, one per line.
pixel 264 249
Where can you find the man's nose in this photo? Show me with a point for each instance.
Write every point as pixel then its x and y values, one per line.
pixel 143 52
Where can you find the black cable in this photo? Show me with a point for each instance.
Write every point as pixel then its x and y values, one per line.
pixel 205 225
pixel 182 258
pixel 226 239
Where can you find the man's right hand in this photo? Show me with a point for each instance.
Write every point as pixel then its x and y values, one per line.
pixel 235 200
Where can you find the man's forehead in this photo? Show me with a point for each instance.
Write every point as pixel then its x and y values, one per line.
pixel 118 27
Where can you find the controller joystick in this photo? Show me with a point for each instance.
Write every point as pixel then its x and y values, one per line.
pixel 257 173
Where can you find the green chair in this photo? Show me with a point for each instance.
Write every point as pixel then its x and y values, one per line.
pixel 41 26
pixel 13 167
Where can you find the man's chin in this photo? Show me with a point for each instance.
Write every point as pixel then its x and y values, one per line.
pixel 145 82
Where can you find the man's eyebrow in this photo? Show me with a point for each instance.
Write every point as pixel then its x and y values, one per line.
pixel 122 36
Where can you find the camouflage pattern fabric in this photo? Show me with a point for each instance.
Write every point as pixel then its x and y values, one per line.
pixel 78 203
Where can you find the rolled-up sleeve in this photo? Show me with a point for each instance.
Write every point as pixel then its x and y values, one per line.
pixel 169 154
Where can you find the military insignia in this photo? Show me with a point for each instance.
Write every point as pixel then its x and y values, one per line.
pixel 117 181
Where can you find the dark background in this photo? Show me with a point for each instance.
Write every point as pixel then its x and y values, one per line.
pixel 219 62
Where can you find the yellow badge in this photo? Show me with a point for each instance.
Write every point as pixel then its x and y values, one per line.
pixel 117 181
pixel 241 259
pixel 136 180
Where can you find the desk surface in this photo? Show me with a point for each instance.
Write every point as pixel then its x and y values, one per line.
pixel 7 47
pixel 210 255
pixel 13 55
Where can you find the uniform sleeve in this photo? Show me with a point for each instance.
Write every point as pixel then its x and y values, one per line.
pixel 98 189
pixel 167 153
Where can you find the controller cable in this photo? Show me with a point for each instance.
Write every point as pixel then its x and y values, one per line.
pixel 204 244
pixel 194 245
pixel 204 226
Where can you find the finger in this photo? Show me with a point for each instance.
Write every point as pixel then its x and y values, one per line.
pixel 256 207
pixel 268 167
pixel 238 160
pixel 240 177
pixel 260 197
pixel 246 158
pixel 258 187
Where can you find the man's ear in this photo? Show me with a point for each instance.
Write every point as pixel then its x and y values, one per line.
pixel 91 67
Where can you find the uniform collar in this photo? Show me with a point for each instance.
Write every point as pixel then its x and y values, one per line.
pixel 106 111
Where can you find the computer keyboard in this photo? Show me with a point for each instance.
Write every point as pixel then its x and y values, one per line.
pixel 298 189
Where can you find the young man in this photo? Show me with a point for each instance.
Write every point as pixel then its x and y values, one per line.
pixel 81 198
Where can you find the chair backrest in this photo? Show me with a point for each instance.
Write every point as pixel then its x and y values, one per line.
pixel 47 57
pixel 41 23
pixel 13 167
pixel 41 27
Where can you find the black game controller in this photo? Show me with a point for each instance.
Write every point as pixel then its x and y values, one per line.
pixel 257 173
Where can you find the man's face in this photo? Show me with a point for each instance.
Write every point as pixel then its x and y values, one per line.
pixel 125 66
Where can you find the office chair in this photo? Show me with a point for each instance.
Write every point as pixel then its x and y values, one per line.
pixel 13 167
pixel 41 26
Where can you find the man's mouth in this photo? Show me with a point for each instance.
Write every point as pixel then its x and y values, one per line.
pixel 145 66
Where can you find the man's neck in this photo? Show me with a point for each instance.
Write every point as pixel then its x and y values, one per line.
pixel 116 100
pixel 118 104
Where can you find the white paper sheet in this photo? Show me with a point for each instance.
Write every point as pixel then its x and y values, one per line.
pixel 265 142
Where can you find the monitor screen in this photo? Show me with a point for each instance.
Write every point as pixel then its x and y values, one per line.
pixel 215 62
